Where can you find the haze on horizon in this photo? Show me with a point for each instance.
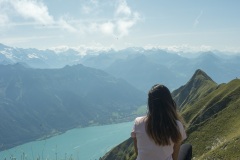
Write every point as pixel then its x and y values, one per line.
pixel 173 25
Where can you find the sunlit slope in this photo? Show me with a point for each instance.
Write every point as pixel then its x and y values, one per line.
pixel 214 130
pixel 123 151
pixel 212 119
pixel 197 87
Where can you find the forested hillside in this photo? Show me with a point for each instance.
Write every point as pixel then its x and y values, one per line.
pixel 36 103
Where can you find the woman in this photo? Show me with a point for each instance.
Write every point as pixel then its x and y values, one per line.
pixel 158 135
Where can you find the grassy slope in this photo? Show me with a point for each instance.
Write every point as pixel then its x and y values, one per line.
pixel 213 125
pixel 197 87
pixel 214 140
pixel 218 135
pixel 123 151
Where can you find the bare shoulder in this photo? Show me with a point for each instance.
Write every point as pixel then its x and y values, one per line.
pixel 140 119
pixel 179 123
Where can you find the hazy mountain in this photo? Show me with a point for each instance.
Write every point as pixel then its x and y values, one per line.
pixel 102 60
pixel 212 119
pixel 140 67
pixel 143 68
pixel 38 102
pixel 38 58
pixel 143 73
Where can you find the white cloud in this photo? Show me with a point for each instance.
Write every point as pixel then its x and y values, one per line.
pixel 107 28
pixel 65 25
pixel 60 49
pixel 3 19
pixel 93 48
pixel 89 7
pixel 32 9
pixel 126 18
pixel 123 8
pixel 35 15
pixel 120 24
pixel 185 48
pixel 125 24
pixel 86 9
pixel 35 11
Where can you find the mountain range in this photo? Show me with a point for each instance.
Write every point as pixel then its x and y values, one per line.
pixel 211 113
pixel 36 103
pixel 44 92
pixel 140 67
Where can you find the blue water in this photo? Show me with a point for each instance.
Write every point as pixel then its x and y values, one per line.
pixel 88 143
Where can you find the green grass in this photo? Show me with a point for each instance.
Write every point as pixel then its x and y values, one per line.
pixel 123 151
pixel 213 125
pixel 227 150
pixel 218 130
pixel 191 112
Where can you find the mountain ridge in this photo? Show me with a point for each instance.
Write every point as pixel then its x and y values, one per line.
pixel 172 68
pixel 217 124
pixel 213 123
pixel 191 90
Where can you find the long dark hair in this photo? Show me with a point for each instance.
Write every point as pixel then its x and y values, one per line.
pixel 161 125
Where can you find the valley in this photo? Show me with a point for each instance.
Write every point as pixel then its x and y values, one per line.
pixel 36 103
pixel 46 96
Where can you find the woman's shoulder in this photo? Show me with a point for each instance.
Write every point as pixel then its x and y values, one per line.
pixel 180 124
pixel 182 130
pixel 140 119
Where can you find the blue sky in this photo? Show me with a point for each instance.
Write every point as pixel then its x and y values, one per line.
pixel 100 24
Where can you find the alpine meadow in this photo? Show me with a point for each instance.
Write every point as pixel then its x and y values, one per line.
pixel 211 114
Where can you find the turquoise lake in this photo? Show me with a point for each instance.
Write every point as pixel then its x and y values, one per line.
pixel 88 143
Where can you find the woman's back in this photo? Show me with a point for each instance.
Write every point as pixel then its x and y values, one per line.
pixel 159 134
pixel 147 148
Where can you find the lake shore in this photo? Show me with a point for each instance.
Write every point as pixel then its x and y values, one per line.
pixel 80 142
